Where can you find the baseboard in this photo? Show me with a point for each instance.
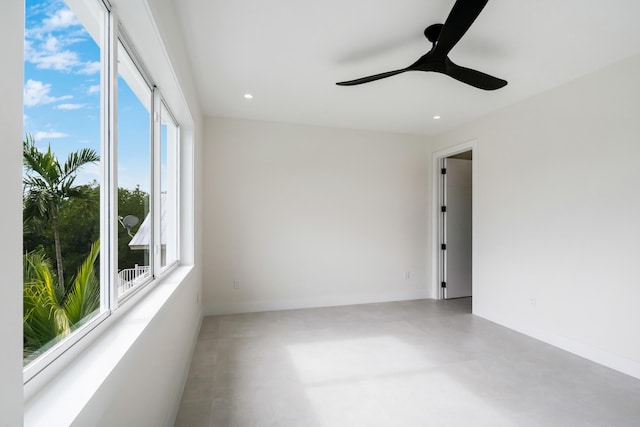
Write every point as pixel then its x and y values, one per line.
pixel 298 303
pixel 594 354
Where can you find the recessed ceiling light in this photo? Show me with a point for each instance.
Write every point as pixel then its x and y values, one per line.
pixel 248 96
pixel 436 117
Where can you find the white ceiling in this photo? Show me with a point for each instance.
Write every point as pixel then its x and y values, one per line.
pixel 290 53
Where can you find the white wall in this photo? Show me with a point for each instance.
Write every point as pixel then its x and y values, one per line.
pixel 11 30
pixel 145 388
pixel 303 216
pixel 558 219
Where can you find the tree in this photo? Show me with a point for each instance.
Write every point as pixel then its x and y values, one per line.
pixel 48 314
pixel 47 184
pixel 131 202
pixel 79 226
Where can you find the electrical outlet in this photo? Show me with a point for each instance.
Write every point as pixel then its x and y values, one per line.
pixel 533 301
pixel 407 275
pixel 236 285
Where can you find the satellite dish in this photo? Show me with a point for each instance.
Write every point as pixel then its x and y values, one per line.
pixel 128 222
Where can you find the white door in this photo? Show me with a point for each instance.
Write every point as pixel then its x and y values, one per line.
pixel 456 246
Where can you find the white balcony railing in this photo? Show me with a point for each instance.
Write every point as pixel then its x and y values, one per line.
pixel 128 278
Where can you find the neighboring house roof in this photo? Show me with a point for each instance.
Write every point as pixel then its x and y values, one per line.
pixel 141 239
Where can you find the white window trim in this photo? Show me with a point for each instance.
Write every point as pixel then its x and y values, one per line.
pixel 122 40
pixel 108 157
pixel 176 163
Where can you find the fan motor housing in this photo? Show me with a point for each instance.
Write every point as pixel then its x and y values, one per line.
pixel 432 32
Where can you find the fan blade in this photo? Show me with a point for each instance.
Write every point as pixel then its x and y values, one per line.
pixel 460 18
pixel 473 77
pixel 372 78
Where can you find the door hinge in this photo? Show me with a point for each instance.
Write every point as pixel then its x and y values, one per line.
pixel 443 284
pixel 443 208
pixel 443 171
pixel 443 247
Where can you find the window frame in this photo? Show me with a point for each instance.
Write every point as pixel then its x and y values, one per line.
pixel 123 40
pixel 113 306
pixel 175 154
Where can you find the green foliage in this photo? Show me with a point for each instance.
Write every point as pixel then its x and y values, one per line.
pixel 47 185
pixel 61 217
pixel 42 317
pixel 84 297
pixel 131 202
pixel 79 225
pixel 49 316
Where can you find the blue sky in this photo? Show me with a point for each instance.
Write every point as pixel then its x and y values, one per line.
pixel 62 94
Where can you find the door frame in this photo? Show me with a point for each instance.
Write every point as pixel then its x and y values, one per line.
pixel 436 217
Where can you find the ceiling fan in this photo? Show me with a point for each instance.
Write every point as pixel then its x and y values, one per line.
pixel 443 38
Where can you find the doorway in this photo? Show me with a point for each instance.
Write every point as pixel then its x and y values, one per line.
pixel 454 219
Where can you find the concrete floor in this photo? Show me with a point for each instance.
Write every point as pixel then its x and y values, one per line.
pixel 415 363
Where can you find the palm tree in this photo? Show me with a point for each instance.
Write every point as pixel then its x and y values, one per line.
pixel 47 184
pixel 48 315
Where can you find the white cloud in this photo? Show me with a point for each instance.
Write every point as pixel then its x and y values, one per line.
pixel 93 89
pixel 63 18
pixel 47 45
pixel 48 56
pixel 29 50
pixel 52 44
pixel 37 93
pixel 61 61
pixel 91 67
pixel 48 135
pixel 89 173
pixel 70 106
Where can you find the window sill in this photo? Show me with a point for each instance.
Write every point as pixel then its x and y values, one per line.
pixel 63 397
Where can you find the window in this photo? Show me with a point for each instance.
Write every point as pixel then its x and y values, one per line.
pixel 168 188
pixel 100 174
pixel 61 173
pixel 134 175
